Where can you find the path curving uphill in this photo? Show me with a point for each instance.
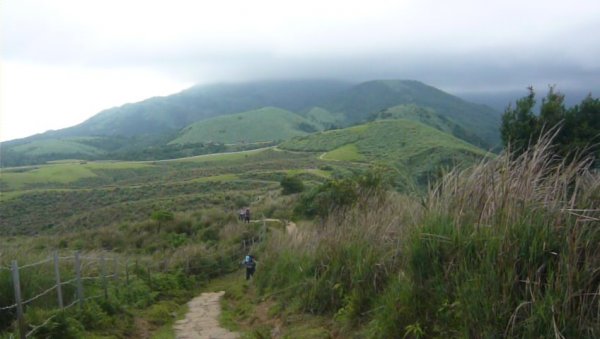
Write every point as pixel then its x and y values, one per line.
pixel 202 319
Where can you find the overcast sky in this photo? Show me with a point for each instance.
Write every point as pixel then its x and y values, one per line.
pixel 63 61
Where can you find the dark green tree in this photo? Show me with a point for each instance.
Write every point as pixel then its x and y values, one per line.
pixel 341 193
pixel 519 125
pixel 583 121
pixel 552 110
pixel 291 184
pixel 578 126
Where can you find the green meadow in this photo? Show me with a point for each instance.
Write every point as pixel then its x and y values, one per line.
pixel 265 124
pixel 66 146
pixel 348 152
pixel 71 195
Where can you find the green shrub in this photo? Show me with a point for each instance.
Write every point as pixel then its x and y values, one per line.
pixel 93 317
pixel 176 239
pixel 60 326
pixel 138 294
pixel 210 235
pixel 161 312
pixel 291 184
pixel 338 194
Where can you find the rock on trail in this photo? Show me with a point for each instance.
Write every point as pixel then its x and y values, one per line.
pixel 202 319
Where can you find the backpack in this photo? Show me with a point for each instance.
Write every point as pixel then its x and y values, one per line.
pixel 249 261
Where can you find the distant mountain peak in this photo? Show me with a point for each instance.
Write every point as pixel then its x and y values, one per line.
pixel 157 121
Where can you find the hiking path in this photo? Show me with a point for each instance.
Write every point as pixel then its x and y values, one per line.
pixel 202 319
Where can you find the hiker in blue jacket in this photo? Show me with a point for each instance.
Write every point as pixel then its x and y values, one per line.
pixel 250 264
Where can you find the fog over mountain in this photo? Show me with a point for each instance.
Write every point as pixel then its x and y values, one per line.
pixel 63 61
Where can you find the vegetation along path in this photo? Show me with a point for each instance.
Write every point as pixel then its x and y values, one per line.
pixel 202 320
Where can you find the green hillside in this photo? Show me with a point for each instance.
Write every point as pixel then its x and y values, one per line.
pixel 36 151
pixel 322 117
pixel 429 117
pixel 152 129
pixel 415 149
pixel 67 147
pixel 173 112
pixel 367 98
pixel 265 124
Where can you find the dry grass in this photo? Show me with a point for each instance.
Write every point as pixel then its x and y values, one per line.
pixel 509 247
pixel 502 191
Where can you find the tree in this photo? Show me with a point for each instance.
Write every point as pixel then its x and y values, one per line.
pixel 339 194
pixel 579 126
pixel 519 124
pixel 160 217
pixel 291 185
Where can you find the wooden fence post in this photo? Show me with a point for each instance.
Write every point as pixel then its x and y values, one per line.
pixel 116 269
pixel 58 283
pixel 17 286
pixel 103 275
pixel 78 278
pixel 116 276
pixel 127 272
pixel 263 229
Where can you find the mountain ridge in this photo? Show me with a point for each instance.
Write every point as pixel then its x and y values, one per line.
pixel 155 122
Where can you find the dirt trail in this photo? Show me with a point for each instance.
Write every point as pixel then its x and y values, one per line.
pixel 291 228
pixel 202 320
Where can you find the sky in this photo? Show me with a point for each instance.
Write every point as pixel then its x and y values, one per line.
pixel 63 61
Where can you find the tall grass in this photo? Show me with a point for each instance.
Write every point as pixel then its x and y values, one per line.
pixel 509 247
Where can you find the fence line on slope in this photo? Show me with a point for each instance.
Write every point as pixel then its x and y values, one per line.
pixel 100 274
pixel 120 268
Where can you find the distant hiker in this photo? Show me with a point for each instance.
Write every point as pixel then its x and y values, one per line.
pixel 242 215
pixel 250 264
pixel 247 215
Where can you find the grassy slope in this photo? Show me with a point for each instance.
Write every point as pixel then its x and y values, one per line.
pixel 414 112
pixel 94 194
pixel 347 152
pixel 491 252
pixel 100 193
pixel 176 111
pixel 431 118
pixel 57 173
pixel 265 124
pixel 65 146
pixel 358 102
pixel 324 118
pixel 412 147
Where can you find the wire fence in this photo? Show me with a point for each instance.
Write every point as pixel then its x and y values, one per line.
pixel 107 271
pixel 110 269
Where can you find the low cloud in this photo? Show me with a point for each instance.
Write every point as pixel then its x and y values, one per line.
pixel 458 46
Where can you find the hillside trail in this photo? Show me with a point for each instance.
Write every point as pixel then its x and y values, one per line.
pixel 290 227
pixel 202 319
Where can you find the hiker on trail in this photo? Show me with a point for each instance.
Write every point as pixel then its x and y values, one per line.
pixel 250 264
pixel 247 215
pixel 242 215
